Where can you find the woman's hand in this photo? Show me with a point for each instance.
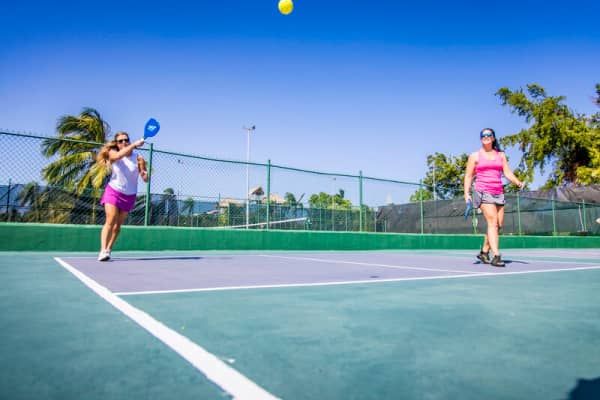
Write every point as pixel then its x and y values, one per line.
pixel 142 168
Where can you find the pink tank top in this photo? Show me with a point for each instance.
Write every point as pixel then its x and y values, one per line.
pixel 488 174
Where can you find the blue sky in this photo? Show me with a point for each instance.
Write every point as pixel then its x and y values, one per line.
pixel 335 86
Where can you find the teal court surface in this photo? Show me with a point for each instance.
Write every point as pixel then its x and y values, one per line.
pixel 388 324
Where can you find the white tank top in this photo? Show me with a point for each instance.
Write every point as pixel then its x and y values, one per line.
pixel 125 174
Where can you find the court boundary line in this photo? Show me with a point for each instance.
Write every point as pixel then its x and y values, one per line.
pixel 225 377
pixel 339 283
pixel 323 260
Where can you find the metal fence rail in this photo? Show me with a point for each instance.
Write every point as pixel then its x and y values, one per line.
pixel 193 191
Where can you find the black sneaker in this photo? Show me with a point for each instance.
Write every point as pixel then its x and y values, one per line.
pixel 497 261
pixel 484 257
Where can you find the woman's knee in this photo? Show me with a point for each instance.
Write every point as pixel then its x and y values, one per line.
pixel 110 223
pixel 493 223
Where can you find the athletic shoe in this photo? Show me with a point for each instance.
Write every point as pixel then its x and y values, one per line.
pixel 104 256
pixel 484 257
pixel 497 261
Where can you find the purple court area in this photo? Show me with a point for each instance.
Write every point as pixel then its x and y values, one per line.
pixel 210 271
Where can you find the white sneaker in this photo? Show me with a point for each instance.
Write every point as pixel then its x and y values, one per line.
pixel 104 256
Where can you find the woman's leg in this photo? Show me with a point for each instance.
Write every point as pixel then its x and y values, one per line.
pixel 486 243
pixel 111 212
pixel 490 212
pixel 500 217
pixel 121 216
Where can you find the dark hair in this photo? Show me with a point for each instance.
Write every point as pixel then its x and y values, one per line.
pixel 495 144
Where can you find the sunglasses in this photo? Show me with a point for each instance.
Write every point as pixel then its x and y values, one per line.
pixel 123 141
pixel 486 135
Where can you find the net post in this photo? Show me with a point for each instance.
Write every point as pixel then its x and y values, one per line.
pixel 147 206
pixel 553 217
pixel 519 213
pixel 360 200
pixel 268 192
pixel 421 205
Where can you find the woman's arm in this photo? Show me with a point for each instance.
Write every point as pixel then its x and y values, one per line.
pixel 115 155
pixel 508 172
pixel 469 175
pixel 142 168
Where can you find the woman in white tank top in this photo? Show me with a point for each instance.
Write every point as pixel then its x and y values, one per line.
pixel 120 192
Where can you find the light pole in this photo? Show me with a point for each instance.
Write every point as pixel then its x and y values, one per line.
pixel 248 130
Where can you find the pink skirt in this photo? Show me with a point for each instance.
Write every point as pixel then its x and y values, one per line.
pixel 123 202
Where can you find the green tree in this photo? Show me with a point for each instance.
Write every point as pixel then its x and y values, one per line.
pixel 426 193
pixel 291 201
pixel 339 202
pixel 557 137
pixel 444 177
pixel 31 197
pixel 325 200
pixel 77 144
pixel 76 167
pixel 591 174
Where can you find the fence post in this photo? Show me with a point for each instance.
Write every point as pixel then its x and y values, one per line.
pixel 346 219
pixel 553 217
pixel 519 213
pixel 268 192
pixel 8 202
pixel 421 205
pixel 147 208
pixel 360 196
pixel 375 221
pixel 584 221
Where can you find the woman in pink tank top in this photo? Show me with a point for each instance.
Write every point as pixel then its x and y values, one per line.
pixel 488 165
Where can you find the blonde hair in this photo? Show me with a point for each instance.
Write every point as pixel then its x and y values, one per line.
pixel 102 157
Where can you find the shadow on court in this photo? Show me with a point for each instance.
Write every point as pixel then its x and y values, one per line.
pixel 586 389
pixel 166 258
pixel 507 262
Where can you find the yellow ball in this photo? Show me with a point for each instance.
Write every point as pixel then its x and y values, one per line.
pixel 286 6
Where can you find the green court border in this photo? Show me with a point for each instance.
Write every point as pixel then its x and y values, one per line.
pixel 60 237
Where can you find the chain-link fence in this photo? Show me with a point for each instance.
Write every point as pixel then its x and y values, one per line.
pixel 192 191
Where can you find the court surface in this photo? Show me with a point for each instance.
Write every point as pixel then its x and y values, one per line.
pixel 301 325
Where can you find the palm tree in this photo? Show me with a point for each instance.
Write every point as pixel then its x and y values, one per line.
pixel 188 205
pixel 30 197
pixel 48 205
pixel 77 144
pixel 74 167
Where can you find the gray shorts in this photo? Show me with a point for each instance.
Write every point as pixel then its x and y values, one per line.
pixel 480 198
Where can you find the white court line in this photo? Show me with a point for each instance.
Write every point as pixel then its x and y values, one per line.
pixel 227 378
pixel 286 285
pixel 369 264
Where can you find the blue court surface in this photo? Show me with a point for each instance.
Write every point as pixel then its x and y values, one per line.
pixel 302 325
